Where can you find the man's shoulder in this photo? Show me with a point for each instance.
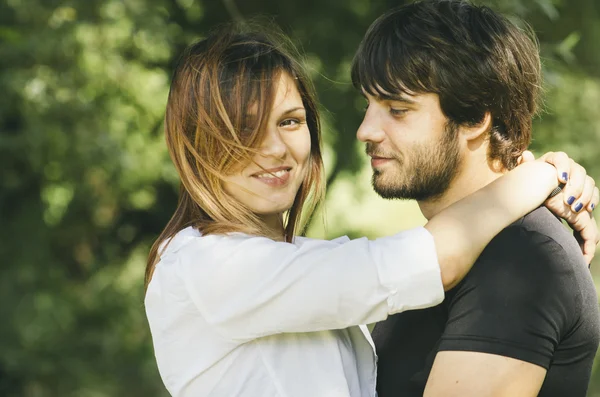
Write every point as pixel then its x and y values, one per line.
pixel 537 238
pixel 534 256
pixel 528 290
pixel 538 223
pixel 543 223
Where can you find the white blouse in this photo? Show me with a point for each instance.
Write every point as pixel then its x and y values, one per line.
pixel 238 315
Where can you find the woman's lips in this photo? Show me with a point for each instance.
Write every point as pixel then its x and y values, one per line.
pixel 274 177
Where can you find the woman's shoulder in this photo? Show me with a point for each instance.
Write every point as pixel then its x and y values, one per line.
pixel 180 240
pixel 189 252
pixel 190 245
pixel 190 238
pixel 301 240
pixel 191 242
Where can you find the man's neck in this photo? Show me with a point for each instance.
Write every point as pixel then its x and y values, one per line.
pixel 471 177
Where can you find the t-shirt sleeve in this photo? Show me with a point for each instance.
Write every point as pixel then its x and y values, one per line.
pixel 515 302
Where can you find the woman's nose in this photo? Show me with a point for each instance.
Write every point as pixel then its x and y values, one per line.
pixel 273 145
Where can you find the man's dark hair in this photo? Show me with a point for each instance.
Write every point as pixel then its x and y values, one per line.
pixel 474 59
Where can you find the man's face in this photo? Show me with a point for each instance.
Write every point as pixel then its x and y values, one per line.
pixel 415 153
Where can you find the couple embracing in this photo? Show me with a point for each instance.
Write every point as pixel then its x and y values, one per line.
pixel 491 297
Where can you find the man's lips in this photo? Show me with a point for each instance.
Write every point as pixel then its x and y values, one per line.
pixel 377 161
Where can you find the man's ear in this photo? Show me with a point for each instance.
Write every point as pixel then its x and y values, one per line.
pixel 470 133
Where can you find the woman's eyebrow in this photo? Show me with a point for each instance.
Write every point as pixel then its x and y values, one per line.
pixel 292 110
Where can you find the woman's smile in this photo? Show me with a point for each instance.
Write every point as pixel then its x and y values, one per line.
pixel 274 177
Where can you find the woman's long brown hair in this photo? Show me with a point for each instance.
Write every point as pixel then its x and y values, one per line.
pixel 208 132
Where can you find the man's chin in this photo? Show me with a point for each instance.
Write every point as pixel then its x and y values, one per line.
pixel 395 191
pixel 391 192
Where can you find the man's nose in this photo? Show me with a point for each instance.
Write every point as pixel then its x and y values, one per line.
pixel 273 145
pixel 370 130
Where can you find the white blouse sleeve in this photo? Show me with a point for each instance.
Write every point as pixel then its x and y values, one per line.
pixel 248 287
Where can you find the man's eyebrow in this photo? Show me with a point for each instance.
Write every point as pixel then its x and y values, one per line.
pixel 390 97
pixel 395 98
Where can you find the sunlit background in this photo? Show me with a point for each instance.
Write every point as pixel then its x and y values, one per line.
pixel 86 183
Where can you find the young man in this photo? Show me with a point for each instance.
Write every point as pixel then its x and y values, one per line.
pixel 451 90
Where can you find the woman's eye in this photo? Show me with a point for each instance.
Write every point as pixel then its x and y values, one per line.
pixel 289 122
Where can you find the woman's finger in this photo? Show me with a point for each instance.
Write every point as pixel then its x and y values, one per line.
pixel 594 201
pixel 574 187
pixel 585 231
pixel 590 244
pixel 584 200
pixel 561 162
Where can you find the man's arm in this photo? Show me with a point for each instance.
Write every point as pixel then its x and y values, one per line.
pixel 466 374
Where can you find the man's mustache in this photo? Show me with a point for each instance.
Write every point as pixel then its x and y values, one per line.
pixel 374 150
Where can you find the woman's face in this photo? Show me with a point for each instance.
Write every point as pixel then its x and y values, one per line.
pixel 269 184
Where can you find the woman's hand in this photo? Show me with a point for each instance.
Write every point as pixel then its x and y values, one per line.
pixel 576 201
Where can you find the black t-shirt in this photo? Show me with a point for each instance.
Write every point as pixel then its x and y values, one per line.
pixel 529 296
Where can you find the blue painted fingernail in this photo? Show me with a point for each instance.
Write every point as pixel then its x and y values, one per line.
pixel 593 206
pixel 565 176
pixel 578 207
pixel 571 200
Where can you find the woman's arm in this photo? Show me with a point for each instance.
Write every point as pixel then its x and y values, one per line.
pixel 246 287
pixel 462 230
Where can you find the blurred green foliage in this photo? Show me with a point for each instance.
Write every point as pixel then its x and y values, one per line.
pixel 86 183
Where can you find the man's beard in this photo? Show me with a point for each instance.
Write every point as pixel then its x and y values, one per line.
pixel 429 173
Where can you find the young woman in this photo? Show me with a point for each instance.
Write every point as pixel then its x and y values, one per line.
pixel 240 306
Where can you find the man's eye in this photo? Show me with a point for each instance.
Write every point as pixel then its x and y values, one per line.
pixel 397 112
